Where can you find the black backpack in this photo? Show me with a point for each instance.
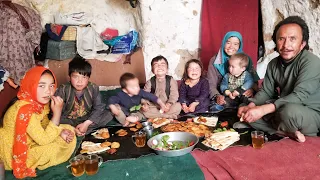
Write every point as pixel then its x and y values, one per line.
pixel 153 85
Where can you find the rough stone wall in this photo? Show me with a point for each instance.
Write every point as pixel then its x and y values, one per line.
pixel 274 11
pixel 172 29
pixel 169 28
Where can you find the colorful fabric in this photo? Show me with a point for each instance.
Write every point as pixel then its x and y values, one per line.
pixel 235 82
pixel 221 61
pixel 18 42
pixel 79 109
pixel 27 92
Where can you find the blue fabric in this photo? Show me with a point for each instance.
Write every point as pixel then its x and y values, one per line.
pixel 223 67
pixel 247 84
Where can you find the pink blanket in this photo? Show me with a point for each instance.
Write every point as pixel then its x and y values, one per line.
pixel 285 159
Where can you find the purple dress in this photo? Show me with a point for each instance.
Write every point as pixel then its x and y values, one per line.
pixel 197 93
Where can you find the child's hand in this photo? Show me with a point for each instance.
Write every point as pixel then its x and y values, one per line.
pixel 83 127
pixel 56 105
pixel 167 108
pixel 231 96
pixel 192 106
pixel 162 105
pixel 145 107
pixel 132 119
pixel 235 93
pixel 126 124
pixel 67 135
pixel 185 108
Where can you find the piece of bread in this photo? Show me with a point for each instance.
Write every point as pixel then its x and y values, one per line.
pixel 160 122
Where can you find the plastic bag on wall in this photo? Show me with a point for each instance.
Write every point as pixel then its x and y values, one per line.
pixel 126 43
pixel 73 18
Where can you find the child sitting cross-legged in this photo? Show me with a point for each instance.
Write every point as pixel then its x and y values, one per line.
pixel 83 107
pixel 237 81
pixel 194 89
pixel 127 103
pixel 165 88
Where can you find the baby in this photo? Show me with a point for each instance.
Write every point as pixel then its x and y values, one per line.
pixel 237 81
pixel 127 103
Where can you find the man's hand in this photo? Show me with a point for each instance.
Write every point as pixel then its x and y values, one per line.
pixel 253 114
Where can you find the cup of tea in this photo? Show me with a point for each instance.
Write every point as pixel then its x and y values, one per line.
pixel 77 165
pixel 148 130
pixel 257 139
pixel 139 138
pixel 146 123
pixel 92 163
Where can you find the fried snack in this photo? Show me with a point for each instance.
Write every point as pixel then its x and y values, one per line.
pixel 199 130
pixel 134 129
pixel 83 151
pixel 105 135
pixel 131 125
pixel 112 151
pixel 123 133
pixel 115 145
pixel 105 144
pixel 139 125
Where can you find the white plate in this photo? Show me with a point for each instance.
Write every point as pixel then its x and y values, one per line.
pixel 95 134
pixel 211 121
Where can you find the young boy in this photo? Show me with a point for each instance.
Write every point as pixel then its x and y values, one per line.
pixel 82 107
pixel 127 103
pixel 237 81
pixel 165 88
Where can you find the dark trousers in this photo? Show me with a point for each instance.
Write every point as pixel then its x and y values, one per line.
pixel 102 121
pixel 290 118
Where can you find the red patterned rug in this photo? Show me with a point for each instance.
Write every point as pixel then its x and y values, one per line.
pixel 285 159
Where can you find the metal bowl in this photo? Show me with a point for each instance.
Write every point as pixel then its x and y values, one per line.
pixel 175 136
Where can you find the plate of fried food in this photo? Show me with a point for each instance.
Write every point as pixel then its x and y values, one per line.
pixel 199 130
pixel 121 132
pixel 88 147
pixel 208 121
pixel 101 133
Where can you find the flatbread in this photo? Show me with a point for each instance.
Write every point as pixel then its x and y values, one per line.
pixel 92 148
pixel 208 121
pixel 101 134
pixel 158 122
pixel 221 140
